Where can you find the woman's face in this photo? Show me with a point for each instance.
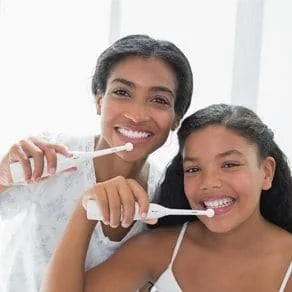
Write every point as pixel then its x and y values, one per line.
pixel 222 171
pixel 138 106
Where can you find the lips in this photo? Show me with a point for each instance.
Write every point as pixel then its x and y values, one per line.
pixel 218 203
pixel 135 136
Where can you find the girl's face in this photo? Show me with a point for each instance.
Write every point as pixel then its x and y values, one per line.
pixel 138 106
pixel 222 171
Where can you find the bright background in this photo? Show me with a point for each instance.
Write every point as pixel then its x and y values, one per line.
pixel 240 52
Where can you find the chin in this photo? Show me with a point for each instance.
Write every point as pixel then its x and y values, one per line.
pixel 132 157
pixel 217 227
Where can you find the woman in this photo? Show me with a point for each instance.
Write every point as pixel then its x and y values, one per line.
pixel 227 161
pixel 142 88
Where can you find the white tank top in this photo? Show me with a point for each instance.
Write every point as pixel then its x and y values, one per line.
pixel 168 283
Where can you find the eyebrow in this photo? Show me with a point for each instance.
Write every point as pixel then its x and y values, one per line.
pixel 154 88
pixel 223 154
pixel 230 152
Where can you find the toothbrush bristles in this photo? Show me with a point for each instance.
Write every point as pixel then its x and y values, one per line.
pixel 129 146
pixel 210 213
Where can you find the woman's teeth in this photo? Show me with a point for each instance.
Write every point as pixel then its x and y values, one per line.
pixel 133 134
pixel 219 203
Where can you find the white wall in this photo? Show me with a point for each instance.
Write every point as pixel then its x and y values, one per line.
pixel 275 91
pixel 48 53
pixel 204 30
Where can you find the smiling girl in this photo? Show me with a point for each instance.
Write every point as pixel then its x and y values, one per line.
pixel 228 161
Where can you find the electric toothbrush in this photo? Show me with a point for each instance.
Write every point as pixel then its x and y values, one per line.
pixel 67 162
pixel 155 211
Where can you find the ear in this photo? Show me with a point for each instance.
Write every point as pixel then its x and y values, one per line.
pixel 175 123
pixel 98 99
pixel 269 166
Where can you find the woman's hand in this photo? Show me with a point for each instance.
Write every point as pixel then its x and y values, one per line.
pixel 37 149
pixel 116 199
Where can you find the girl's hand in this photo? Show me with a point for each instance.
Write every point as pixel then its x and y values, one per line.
pixel 116 198
pixel 37 149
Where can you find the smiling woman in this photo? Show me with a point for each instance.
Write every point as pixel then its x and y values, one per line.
pixel 142 88
pixel 146 98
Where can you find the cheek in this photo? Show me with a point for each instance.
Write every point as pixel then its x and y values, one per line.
pixel 190 186
pixel 110 109
pixel 164 119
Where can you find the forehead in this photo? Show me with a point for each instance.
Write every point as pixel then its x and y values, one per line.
pixel 144 72
pixel 216 139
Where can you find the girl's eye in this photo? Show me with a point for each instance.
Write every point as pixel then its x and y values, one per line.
pixel 192 170
pixel 121 92
pixel 161 100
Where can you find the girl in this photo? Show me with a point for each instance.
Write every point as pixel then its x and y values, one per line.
pixel 228 161
pixel 142 88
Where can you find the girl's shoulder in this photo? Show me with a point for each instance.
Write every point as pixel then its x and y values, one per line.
pixel 156 244
pixel 154 248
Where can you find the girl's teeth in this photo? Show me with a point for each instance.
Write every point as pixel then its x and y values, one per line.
pixel 133 134
pixel 219 203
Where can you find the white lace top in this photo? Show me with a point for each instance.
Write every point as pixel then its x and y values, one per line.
pixel 32 219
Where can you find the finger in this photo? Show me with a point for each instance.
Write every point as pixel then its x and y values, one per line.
pixel 69 170
pixel 50 151
pixel 141 197
pixel 46 146
pixel 114 203
pixel 87 196
pixel 150 221
pixel 19 154
pixel 128 203
pixel 98 192
pixel 37 155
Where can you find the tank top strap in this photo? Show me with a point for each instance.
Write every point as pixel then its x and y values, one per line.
pixel 178 243
pixel 286 278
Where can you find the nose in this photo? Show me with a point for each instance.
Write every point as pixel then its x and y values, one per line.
pixel 210 180
pixel 138 114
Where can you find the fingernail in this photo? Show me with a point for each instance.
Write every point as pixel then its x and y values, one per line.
pixel 125 224
pixel 51 170
pixel 143 215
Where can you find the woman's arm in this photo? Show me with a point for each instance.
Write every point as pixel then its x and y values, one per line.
pixel 124 271
pixel 66 269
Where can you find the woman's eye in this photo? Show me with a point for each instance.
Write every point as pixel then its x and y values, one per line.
pixel 121 92
pixel 161 100
pixel 230 164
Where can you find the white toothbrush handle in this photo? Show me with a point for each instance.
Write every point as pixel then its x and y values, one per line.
pixel 66 162
pixel 94 212
pixel 155 211
pixel 208 212
pixel 62 164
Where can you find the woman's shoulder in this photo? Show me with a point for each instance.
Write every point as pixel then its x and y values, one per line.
pixel 72 142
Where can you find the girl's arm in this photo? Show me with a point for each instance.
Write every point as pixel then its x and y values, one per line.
pixel 125 271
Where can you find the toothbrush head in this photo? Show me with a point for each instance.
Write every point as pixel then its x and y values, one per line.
pixel 129 146
pixel 210 213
